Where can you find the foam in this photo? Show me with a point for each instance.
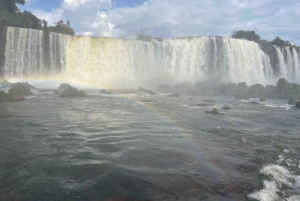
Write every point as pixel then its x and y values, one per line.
pixel 280 177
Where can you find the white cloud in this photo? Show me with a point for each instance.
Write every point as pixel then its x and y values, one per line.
pixel 50 17
pixel 181 18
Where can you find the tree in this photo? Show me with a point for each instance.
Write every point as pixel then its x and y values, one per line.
pixel 248 35
pixel 11 5
pixel 45 23
pixel 279 42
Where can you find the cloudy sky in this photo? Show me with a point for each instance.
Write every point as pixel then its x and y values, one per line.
pixel 174 18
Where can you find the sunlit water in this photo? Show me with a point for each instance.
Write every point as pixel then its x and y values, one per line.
pixel 117 148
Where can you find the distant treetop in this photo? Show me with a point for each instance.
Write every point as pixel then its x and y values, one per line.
pixel 10 15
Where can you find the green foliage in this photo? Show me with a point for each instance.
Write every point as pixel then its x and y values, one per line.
pixel 279 42
pixel 11 4
pixel 62 27
pixel 249 35
pixel 11 16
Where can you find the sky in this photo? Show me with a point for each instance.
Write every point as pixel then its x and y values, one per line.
pixel 174 18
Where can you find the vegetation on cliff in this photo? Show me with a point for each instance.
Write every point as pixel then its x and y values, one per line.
pixel 10 15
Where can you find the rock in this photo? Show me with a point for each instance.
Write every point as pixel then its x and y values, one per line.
pixel 141 89
pixel 226 108
pixel 17 97
pixel 254 103
pixel 4 113
pixel 297 104
pixel 72 92
pixel 163 88
pixel 204 104
pixel 208 101
pixel 5 84
pixel 191 98
pixel 214 111
pixel 19 89
pixel 4 96
pixel 103 91
pixel 55 91
pixel 174 95
pixel 262 99
pixel 186 88
pixel 291 101
pixel 29 86
pixel 64 86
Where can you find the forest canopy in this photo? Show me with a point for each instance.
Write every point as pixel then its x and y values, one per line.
pixel 10 15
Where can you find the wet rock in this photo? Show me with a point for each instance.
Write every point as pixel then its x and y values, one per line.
pixel 174 95
pixel 141 89
pixel 291 101
pixel 204 104
pixel 72 92
pixel 254 103
pixel 226 108
pixel 103 91
pixel 214 111
pixel 64 86
pixel 186 88
pixel 208 101
pixel 262 99
pixel 17 97
pixel 297 104
pixel 19 89
pixel 163 88
pixel 4 96
pixel 55 91
pixel 27 85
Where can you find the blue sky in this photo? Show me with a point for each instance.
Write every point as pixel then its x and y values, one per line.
pixel 174 18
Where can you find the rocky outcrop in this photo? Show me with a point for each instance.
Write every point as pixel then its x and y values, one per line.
pixel 186 88
pixel 29 86
pixel 106 92
pixel 262 99
pixel 297 104
pixel 64 86
pixel 163 88
pixel 291 101
pixel 19 89
pixel 10 97
pixel 149 92
pixel 214 111
pixel 72 92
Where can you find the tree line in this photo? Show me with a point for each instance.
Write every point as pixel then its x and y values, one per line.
pixel 252 36
pixel 10 15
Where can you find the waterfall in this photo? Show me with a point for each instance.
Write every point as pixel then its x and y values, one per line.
pixel 288 63
pixel 31 54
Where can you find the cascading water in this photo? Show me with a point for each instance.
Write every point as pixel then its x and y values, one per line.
pixel 288 63
pixel 31 54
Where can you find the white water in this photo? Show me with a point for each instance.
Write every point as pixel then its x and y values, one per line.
pixel 116 62
pixel 288 64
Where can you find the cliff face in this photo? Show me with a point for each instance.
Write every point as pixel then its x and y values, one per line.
pixel 2 50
